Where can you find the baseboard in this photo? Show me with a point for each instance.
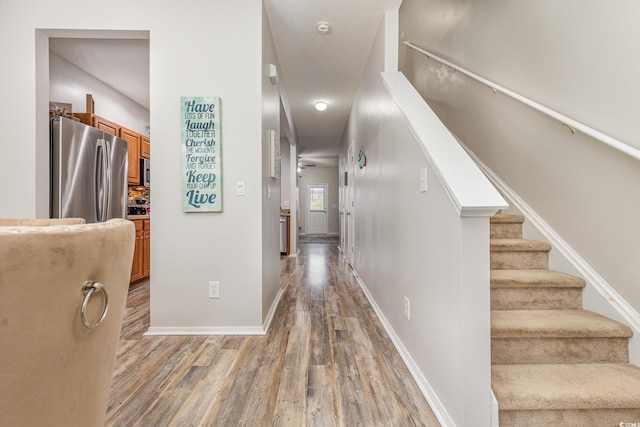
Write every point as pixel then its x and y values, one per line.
pixel 272 311
pixel 495 420
pixel 221 330
pixel 432 398
pixel 585 270
pixel 205 330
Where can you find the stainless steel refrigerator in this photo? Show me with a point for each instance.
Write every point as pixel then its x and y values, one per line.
pixel 88 172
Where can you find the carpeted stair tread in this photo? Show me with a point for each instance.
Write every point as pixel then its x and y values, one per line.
pixel 558 386
pixel 518 245
pixel 553 363
pixel 534 278
pixel 506 218
pixel 554 324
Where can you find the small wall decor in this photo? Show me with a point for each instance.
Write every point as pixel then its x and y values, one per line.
pixel 201 154
pixel 274 150
pixel 362 159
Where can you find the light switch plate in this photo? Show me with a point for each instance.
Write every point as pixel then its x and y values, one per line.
pixel 423 180
pixel 240 188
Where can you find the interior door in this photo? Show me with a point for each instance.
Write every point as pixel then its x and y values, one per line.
pixel 317 209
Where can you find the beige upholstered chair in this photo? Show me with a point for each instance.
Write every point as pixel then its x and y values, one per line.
pixel 12 222
pixel 56 364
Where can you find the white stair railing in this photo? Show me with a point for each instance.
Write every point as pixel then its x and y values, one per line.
pixel 570 123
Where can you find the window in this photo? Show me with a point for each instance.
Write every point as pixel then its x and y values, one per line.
pixel 317 198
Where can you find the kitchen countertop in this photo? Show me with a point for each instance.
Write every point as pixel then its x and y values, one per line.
pixel 132 217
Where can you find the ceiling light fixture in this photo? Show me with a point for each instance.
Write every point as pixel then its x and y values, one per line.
pixel 323 27
pixel 321 105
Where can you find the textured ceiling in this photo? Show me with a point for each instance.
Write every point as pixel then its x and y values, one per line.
pixel 313 66
pixel 323 67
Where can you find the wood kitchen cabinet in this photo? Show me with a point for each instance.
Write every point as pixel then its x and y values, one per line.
pixel 138 250
pixel 146 249
pixel 133 143
pixel 145 147
pixel 140 268
pixel 106 126
pixel 99 122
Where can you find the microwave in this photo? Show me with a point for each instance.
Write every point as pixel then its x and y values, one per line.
pixel 145 172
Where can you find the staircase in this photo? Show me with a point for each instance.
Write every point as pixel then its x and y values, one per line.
pixel 553 363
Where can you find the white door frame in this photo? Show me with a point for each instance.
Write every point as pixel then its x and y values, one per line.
pixel 350 211
pixel 342 202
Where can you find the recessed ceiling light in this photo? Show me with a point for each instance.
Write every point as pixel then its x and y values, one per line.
pixel 320 105
pixel 323 27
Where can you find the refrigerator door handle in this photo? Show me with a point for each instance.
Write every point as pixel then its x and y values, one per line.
pixel 107 182
pixel 100 179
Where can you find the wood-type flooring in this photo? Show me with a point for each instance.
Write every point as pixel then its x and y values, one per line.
pixel 326 361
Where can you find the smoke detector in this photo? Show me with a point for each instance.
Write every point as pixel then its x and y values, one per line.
pixel 323 27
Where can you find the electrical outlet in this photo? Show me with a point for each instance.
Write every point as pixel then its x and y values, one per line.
pixel 407 308
pixel 214 289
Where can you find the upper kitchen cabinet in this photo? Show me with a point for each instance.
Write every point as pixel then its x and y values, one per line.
pixel 106 126
pixel 145 147
pixel 133 141
pixel 100 123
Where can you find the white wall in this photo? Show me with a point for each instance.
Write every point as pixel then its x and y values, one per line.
pixel 191 54
pixel 571 56
pixel 430 247
pixel 270 186
pixel 320 175
pixel 69 84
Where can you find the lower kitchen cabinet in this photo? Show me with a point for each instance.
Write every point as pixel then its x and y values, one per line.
pixel 140 268
pixel 146 249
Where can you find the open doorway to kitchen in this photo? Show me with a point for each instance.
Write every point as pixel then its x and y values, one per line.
pixel 101 78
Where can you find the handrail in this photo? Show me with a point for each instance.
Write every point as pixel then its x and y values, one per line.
pixel 572 124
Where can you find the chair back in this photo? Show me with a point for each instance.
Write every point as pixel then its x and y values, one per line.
pixel 56 361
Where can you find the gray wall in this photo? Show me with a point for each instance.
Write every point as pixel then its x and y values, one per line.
pixel 430 247
pixel 572 56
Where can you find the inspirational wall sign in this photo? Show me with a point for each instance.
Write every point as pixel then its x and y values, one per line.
pixel 201 155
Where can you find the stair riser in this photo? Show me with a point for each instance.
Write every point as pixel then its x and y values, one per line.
pixel 506 231
pixel 569 417
pixel 519 260
pixel 506 351
pixel 536 298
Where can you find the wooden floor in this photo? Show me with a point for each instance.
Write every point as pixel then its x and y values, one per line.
pixel 326 361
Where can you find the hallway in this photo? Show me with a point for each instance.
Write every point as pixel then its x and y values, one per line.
pixel 326 361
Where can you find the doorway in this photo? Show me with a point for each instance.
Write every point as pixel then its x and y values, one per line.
pixel 317 208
